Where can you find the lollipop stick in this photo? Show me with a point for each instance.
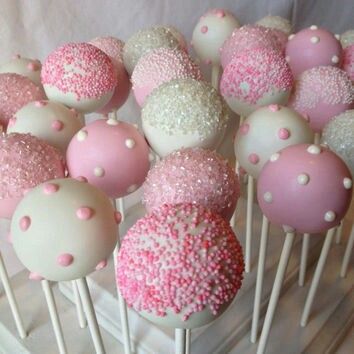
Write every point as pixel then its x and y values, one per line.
pixel 303 261
pixel 274 297
pixel 237 167
pixel 188 341
pixel 249 223
pixel 113 115
pixel 316 278
pixel 339 232
pixel 121 208
pixel 215 76
pixel 11 299
pixel 317 138
pixel 347 254
pixel 80 311
pixel 260 278
pixel 180 341
pixel 53 312
pixel 90 315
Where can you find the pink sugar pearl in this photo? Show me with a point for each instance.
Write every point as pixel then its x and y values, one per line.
pixel 348 61
pixel 305 189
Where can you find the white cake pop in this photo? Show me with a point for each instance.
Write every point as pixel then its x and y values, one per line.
pixel 184 113
pixel 276 22
pixel 347 38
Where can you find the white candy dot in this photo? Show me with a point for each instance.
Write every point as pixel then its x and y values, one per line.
pixel 132 188
pixel 291 37
pixel 314 149
pixel 274 157
pixel 287 58
pixel 314 39
pixel 112 121
pixel 98 171
pixel 81 135
pixel 337 36
pixel 330 216
pixel 335 59
pixel 151 157
pixel 129 143
pixel 135 126
pixel 303 179
pixel 347 182
pixel 268 197
pixel 313 27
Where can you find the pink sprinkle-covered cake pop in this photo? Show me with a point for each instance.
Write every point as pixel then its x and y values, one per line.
pixel 116 156
pixel 305 187
pixel 180 266
pixel 79 75
pixel 322 93
pixel 348 61
pixel 159 66
pixel 25 161
pixel 312 47
pixel 195 176
pixel 256 78
pixel 15 92
pixel 113 47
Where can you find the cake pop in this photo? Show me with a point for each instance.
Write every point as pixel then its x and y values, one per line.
pixel 47 120
pixel 347 38
pixel 276 22
pixel 312 47
pixel 80 76
pixel 159 66
pixel 348 61
pixel 15 92
pixel 179 36
pixel 322 93
pixel 195 176
pixel 184 113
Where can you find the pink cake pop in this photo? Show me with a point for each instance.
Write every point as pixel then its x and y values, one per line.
pixel 322 93
pixel 348 61
pixel 25 161
pixel 195 176
pixel 79 75
pixel 312 47
pixel 256 78
pixel 159 66
pixel 15 92
pixel 180 266
pixel 111 155
pixel 113 47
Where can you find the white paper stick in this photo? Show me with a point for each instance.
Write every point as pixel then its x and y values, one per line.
pixel 274 297
pixel 121 208
pixel 180 341
pixel 339 232
pixel 188 341
pixel 233 219
pixel 303 260
pixel 249 223
pixel 54 316
pixel 11 299
pixel 347 254
pixel 317 138
pixel 317 276
pixel 90 315
pixel 79 309
pixel 237 165
pixel 215 76
pixel 260 278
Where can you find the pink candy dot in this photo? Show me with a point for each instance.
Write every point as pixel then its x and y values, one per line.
pixel 253 159
pixel 220 13
pixel 101 265
pixel 117 217
pixel 84 213
pixel 57 125
pixel 33 66
pixel 283 133
pixel 81 179
pixel 65 259
pixel 204 29
pixel 25 223
pixel 244 128
pixel 50 188
pixel 274 107
pixel 12 122
pixel 35 276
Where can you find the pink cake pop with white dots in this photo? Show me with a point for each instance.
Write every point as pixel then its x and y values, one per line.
pixel 112 155
pixel 348 61
pixel 113 47
pixel 312 47
pixel 306 188
pixel 322 93
pixel 256 78
pixel 180 266
pixel 195 176
pixel 25 161
pixel 15 92
pixel 80 76
pixel 159 66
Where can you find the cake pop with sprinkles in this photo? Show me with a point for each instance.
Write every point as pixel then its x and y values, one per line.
pixel 159 66
pixel 15 92
pixel 348 61
pixel 25 161
pixel 193 175
pixel 180 266
pixel 80 76
pixel 184 113
pixel 179 36
pixel 322 93
pixel 347 38
pixel 312 47
pixel 256 78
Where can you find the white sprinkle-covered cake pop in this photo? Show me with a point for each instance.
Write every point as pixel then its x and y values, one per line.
pixel 64 229
pixel 47 120
pixel 276 22
pixel 180 266
pixel 348 61
pixel 211 32
pixel 184 113
pixel 177 34
pixel 347 38
pixel 266 131
pixel 80 76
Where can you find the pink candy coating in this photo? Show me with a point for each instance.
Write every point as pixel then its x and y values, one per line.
pixel 306 206
pixel 348 61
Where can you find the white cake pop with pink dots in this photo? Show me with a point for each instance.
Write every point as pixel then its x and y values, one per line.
pixel 348 61
pixel 180 266
pixel 64 229
pixel 112 155
pixel 266 131
pixel 306 188
pixel 80 76
pixel 211 32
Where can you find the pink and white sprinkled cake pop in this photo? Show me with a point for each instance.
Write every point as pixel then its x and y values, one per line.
pixel 322 93
pixel 180 266
pixel 266 131
pixel 113 47
pixel 210 33
pixel 256 78
pixel 159 66
pixel 47 120
pixel 80 76
pixel 305 187
pixel 312 47
pixel 348 61
pixel 25 161
pixel 195 176
pixel 15 92
pixel 116 156
pixel 76 213
pixel 347 38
